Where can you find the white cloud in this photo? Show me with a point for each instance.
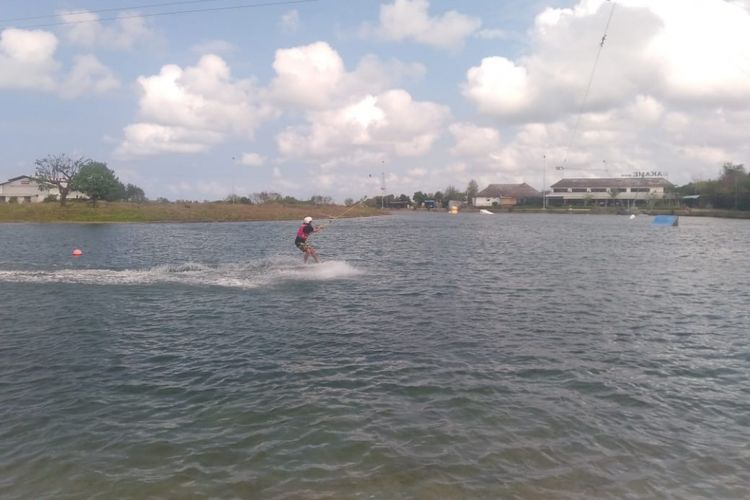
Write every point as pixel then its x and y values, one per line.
pixel 373 74
pixel 351 116
pixel 678 53
pixel 472 140
pixel 670 92
pixel 152 138
pixel 85 29
pixel 88 76
pixel 391 121
pixel 191 109
pixel 410 19
pixel 27 59
pixel 289 22
pixel 252 159
pixel 645 110
pixel 498 86
pixel 704 154
pixel 307 75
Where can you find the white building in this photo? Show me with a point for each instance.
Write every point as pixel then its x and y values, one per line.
pixel 24 189
pixel 625 191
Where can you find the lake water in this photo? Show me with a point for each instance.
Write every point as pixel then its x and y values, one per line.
pixel 428 356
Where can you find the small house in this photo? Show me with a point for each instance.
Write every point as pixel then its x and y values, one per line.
pixel 506 195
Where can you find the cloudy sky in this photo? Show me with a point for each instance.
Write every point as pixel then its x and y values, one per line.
pixel 328 97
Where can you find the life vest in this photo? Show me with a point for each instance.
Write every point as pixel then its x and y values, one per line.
pixel 301 231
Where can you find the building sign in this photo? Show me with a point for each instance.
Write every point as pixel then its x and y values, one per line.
pixel 651 173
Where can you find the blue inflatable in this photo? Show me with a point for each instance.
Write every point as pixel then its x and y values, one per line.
pixel 666 220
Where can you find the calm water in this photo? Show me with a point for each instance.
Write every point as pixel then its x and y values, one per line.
pixel 429 356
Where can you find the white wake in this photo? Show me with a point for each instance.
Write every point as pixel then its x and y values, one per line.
pixel 235 275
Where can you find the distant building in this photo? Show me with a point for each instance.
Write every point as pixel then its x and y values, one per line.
pixel 624 191
pixel 506 195
pixel 22 189
pixel 25 189
pixel 398 204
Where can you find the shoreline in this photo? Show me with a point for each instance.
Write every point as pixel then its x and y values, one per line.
pixel 684 212
pixel 217 212
pixel 174 213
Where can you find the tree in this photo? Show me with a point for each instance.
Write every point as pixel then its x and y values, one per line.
pixel 58 171
pixel 471 191
pixel 321 200
pixel 438 197
pixel 451 193
pixel 98 183
pixel 419 198
pixel 730 191
pixel 265 197
pixel 732 179
pixel 134 193
pixel 349 202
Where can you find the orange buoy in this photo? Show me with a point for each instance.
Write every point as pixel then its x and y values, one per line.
pixel 77 252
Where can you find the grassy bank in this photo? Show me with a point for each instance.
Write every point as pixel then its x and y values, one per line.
pixel 174 212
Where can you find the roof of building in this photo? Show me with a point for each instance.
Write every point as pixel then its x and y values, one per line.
pixel 16 179
pixel 612 182
pixel 515 190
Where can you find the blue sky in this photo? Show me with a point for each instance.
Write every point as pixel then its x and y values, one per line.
pixel 324 97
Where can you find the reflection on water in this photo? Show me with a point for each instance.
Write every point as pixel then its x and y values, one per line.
pixel 429 356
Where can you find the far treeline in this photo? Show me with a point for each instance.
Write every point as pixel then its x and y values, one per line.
pixel 731 191
pixel 440 198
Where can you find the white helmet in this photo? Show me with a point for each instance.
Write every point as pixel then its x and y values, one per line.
pixel 307 220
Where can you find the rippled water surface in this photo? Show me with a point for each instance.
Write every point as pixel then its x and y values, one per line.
pixel 428 356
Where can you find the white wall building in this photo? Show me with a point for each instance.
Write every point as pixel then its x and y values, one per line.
pixel 24 189
pixel 608 191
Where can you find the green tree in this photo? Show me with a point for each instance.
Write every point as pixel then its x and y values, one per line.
pixel 319 199
pixel 58 171
pixel 733 179
pixel 471 191
pixel 730 191
pixel 265 197
pixel 438 197
pixel 134 193
pixel 451 193
pixel 98 182
pixel 419 198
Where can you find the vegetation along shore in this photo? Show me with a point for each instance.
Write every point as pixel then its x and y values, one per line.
pixel 151 211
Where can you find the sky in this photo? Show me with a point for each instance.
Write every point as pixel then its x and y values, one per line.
pixel 202 99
